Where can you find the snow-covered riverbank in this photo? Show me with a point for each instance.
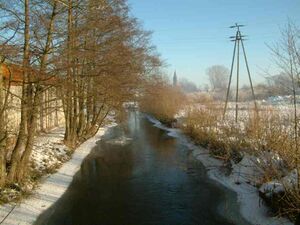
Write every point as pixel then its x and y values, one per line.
pixel 51 189
pixel 252 207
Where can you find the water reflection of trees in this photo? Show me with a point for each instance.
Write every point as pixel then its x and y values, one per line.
pixel 110 166
pixel 163 144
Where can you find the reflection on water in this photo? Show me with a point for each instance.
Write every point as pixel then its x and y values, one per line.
pixel 138 175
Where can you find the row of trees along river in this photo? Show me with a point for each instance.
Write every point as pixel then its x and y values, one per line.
pixel 94 55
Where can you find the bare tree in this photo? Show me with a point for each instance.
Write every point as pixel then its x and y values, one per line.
pixel 91 53
pixel 287 57
pixel 187 86
pixel 107 55
pixel 32 88
pixel 280 84
pixel 218 78
pixel 162 99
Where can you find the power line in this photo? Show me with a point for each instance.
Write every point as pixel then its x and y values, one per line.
pixel 238 40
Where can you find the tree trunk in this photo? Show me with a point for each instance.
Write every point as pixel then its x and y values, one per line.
pixel 36 103
pixel 2 134
pixel 41 110
pixel 22 136
pixel 31 101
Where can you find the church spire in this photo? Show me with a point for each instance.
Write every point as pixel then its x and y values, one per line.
pixel 175 79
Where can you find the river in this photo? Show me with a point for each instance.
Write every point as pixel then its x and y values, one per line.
pixel 138 175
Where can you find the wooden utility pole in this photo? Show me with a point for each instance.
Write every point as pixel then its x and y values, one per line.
pixel 238 41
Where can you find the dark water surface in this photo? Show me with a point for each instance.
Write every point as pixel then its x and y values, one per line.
pixel 150 180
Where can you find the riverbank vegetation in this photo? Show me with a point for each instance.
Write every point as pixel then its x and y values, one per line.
pixel 265 142
pixel 92 55
pixel 72 63
pixel 161 99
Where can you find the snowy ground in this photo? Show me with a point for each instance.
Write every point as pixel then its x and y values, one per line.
pixel 49 151
pixel 252 207
pixel 53 187
pixel 48 154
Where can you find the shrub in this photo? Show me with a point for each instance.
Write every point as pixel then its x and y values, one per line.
pixel 268 135
pixel 162 100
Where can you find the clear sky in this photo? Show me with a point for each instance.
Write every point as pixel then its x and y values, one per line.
pixel 192 35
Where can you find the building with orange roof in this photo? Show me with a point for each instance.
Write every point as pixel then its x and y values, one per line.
pixel 50 111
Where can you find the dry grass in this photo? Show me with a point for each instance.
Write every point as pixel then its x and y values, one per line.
pixel 162 100
pixel 206 127
pixel 267 135
pixel 289 204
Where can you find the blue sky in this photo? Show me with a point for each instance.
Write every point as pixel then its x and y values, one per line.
pixel 192 35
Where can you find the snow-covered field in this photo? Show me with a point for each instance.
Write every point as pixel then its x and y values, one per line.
pixel 240 180
pixel 49 151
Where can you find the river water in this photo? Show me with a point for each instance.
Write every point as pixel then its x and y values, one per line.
pixel 138 175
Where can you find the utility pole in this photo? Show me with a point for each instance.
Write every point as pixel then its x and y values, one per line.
pixel 238 40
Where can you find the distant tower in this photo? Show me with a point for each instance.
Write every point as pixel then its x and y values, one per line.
pixel 175 79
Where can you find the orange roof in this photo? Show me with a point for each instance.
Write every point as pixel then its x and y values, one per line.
pixel 15 74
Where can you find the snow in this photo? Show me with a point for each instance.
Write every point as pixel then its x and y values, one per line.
pixel 250 168
pixel 49 150
pixel 54 186
pixel 279 186
pixel 241 179
pixel 291 180
pixel 247 170
pixel 48 154
pixel 271 188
